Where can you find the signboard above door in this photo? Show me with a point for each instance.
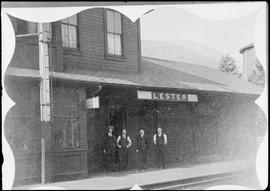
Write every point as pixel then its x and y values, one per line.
pixel 92 103
pixel 166 96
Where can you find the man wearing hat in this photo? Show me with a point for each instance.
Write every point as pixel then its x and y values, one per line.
pixel 160 140
pixel 141 148
pixel 109 145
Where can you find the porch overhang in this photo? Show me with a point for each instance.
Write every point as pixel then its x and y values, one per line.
pixel 121 81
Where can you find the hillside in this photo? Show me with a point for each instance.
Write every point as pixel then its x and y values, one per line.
pixel 184 51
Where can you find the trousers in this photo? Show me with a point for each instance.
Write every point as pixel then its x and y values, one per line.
pixel 123 158
pixel 142 159
pixel 160 156
pixel 110 159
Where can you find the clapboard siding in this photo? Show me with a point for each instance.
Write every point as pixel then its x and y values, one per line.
pixel 91 54
pixel 22 129
pixel 26 53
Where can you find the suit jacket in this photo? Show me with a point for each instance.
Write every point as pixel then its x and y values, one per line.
pixel 142 143
pixel 109 143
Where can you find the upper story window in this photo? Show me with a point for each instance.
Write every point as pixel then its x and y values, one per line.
pixel 114 33
pixel 69 32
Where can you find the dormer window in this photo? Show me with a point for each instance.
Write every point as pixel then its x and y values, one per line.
pixel 69 32
pixel 114 33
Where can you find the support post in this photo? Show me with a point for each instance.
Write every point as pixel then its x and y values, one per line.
pixel 45 105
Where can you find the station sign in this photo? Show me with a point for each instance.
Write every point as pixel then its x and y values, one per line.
pixel 166 96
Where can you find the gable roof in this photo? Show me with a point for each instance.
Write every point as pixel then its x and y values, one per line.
pixel 209 78
pixel 158 73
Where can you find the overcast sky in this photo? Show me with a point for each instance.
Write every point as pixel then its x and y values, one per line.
pixel 226 36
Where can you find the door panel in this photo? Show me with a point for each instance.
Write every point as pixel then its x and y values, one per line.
pixel 117 120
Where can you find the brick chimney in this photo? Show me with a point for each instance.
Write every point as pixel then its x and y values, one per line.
pixel 249 60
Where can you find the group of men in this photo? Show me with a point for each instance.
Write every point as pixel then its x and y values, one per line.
pixel 121 144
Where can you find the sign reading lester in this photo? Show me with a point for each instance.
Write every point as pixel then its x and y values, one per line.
pixel 148 95
pixel 169 96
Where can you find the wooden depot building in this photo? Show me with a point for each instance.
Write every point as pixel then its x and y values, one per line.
pixel 99 78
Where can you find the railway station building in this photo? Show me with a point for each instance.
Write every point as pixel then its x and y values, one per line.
pixel 98 77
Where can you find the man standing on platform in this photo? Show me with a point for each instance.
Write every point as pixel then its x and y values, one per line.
pixel 141 148
pixel 123 143
pixel 109 145
pixel 160 140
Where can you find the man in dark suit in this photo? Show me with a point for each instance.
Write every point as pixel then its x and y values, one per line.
pixel 141 149
pixel 109 145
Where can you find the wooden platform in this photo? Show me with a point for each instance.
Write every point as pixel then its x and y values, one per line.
pixel 129 179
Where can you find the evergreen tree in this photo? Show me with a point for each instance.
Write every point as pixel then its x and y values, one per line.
pixel 258 75
pixel 227 64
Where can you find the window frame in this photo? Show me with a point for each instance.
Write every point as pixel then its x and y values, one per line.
pixel 77 33
pixel 62 145
pixel 107 54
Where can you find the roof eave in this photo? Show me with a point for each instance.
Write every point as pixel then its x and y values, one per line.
pixel 34 74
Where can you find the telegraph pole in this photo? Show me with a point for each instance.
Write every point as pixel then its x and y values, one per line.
pixel 45 103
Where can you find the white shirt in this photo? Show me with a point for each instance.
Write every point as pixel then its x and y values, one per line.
pixel 128 139
pixel 159 134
